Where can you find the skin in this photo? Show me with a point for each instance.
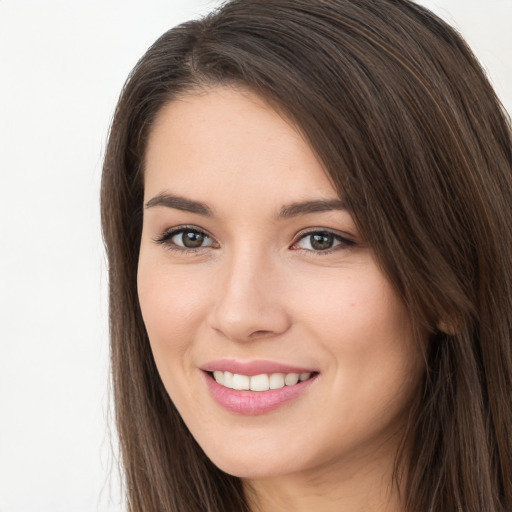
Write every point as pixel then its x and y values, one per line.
pixel 257 289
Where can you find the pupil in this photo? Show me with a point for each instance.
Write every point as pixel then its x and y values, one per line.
pixel 321 242
pixel 191 239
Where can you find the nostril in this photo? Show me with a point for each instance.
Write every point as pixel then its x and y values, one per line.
pixel 260 334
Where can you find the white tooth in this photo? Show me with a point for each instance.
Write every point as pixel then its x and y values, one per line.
pixel 259 382
pixel 240 382
pixel 291 379
pixel 218 376
pixel 276 381
pixel 228 380
pixel 304 376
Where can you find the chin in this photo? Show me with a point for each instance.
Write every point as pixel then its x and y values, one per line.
pixel 254 463
pixel 249 470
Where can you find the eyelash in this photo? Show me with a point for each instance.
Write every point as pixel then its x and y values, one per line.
pixel 343 241
pixel 166 240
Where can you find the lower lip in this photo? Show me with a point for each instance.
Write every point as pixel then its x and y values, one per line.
pixel 255 402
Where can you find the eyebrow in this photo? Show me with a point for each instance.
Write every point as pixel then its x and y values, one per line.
pixel 286 212
pixel 303 208
pixel 180 203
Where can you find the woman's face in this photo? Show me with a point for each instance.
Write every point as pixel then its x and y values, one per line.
pixel 251 272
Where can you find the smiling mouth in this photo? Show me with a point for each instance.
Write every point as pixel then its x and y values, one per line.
pixel 262 382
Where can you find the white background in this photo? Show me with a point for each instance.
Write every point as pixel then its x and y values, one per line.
pixel 62 65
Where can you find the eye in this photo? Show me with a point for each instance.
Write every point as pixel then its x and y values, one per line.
pixel 191 239
pixel 321 241
pixel 185 238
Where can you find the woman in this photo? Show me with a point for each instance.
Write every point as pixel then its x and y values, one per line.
pixel 306 207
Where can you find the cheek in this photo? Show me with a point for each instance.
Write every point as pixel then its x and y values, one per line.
pixel 366 330
pixel 360 306
pixel 173 305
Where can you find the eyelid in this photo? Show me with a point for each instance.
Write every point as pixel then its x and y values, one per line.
pixel 168 234
pixel 345 239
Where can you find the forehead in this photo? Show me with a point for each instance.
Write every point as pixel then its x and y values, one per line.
pixel 231 138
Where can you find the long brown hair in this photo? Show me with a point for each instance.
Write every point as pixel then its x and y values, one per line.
pixel 401 115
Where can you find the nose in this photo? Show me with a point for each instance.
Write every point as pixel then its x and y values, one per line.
pixel 250 303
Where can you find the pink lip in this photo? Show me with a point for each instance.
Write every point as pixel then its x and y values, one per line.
pixel 250 368
pixel 252 403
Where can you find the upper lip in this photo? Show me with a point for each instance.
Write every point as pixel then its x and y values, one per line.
pixel 250 368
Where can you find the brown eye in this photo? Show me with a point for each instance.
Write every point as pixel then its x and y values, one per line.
pixel 190 239
pixel 186 239
pixel 319 241
pixel 322 241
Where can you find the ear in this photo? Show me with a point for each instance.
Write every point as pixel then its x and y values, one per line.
pixel 446 327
